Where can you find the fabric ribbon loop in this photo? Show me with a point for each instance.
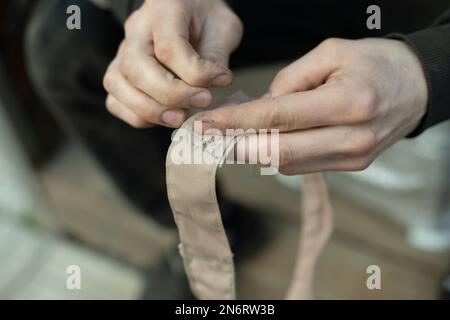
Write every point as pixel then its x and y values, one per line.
pixel 204 246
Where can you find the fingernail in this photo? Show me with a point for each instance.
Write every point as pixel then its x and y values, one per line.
pixel 201 99
pixel 222 80
pixel 173 118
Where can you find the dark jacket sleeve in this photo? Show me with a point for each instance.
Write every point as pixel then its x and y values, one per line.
pixel 432 46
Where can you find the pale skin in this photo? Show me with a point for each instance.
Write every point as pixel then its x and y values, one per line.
pixel 337 108
pixel 173 52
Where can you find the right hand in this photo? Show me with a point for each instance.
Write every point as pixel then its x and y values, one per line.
pixel 173 51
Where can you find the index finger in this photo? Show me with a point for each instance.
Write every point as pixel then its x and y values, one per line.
pixel 141 69
pixel 174 50
pixel 325 106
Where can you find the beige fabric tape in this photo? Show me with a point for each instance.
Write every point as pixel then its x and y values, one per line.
pixel 206 253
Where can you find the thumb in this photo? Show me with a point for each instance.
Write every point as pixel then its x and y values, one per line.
pixel 222 35
pixel 307 73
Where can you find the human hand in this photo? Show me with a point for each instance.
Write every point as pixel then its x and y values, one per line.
pixel 338 107
pixel 172 52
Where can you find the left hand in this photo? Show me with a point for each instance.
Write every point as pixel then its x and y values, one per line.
pixel 173 52
pixel 338 107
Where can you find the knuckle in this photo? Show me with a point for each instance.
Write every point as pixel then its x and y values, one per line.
pixel 286 155
pixel 141 108
pixel 130 22
pixel 128 66
pixel 332 44
pixel 278 118
pixel 363 145
pixel 110 104
pixel 138 123
pixel 235 22
pixel 168 98
pixel 330 51
pixel 109 82
pixel 361 164
pixel 164 50
pixel 165 99
pixel 274 118
pixel 336 48
pixel 231 19
pixel 214 53
pixel 146 112
pixel 365 104
pixel 282 80
pixel 283 75
pixel 287 170
pixel 197 78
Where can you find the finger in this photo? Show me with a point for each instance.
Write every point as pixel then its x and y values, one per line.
pixel 141 104
pixel 257 149
pixel 357 163
pixel 220 39
pixel 123 113
pixel 352 164
pixel 146 74
pixel 308 72
pixel 306 148
pixel 334 104
pixel 173 49
pixel 141 69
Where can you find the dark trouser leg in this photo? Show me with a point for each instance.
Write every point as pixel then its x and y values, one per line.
pixel 67 68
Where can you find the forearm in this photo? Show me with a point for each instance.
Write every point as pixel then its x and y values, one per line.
pixel 432 46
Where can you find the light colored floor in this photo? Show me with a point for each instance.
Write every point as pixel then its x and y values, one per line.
pixel 361 238
pixel 35 265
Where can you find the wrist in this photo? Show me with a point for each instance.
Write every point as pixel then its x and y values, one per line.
pixel 419 89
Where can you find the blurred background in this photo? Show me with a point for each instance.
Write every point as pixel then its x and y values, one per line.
pixel 59 207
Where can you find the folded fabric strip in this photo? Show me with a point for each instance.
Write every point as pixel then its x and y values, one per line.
pixel 204 246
